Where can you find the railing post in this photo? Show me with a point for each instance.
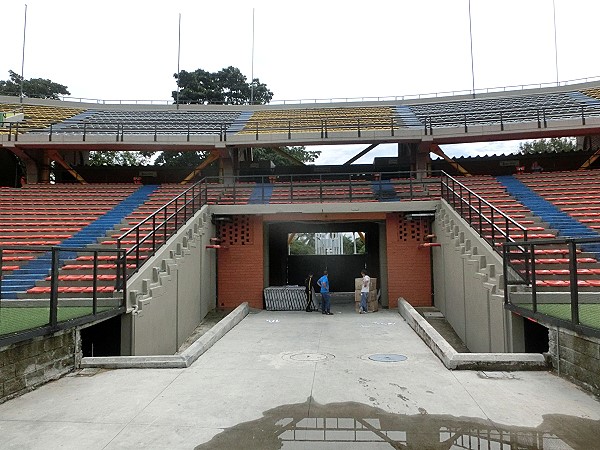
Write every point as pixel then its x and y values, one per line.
pixel 493 228
pixel 1 276
pixel 165 224
pixel 533 277
pixel 358 125
pixel 480 217
pixel 118 263
pixel 470 210
pixel 123 257
pixel 95 284
pixel 466 127
pixel 9 131
pixel 573 282
pixel 137 247
pixel 582 116
pixel 392 124
pixel 153 233
pixel 188 132
pixel 545 122
pixel 17 132
pixel 505 272
pixel 54 286
pixel 50 135
pixel 501 122
pixel 155 132
pixel 84 130
pixel 289 129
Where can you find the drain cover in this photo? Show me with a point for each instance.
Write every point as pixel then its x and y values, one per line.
pixel 387 357
pixel 307 356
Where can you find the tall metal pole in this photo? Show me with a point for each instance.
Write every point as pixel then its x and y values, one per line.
pixel 555 43
pixel 23 56
pixel 178 57
pixel 471 39
pixel 252 70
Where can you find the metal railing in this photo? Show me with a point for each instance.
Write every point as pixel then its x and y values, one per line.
pixel 15 312
pixel 156 229
pixel 491 224
pixel 450 93
pixel 576 310
pixel 146 237
pixel 325 128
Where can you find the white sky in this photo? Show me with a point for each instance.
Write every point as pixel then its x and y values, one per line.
pixel 310 49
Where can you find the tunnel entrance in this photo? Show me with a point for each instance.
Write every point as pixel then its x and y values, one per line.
pixel 341 248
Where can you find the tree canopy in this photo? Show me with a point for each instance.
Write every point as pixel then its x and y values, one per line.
pixel 552 145
pixel 300 153
pixel 228 86
pixel 116 158
pixel 35 87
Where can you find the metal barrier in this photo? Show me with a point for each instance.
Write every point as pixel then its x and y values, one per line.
pixel 60 307
pixel 481 215
pixel 576 310
pixel 145 238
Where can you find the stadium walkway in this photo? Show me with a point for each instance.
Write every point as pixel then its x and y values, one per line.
pixel 297 380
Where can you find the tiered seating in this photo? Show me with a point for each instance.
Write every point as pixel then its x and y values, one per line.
pixel 551 261
pixel 44 215
pixel 94 121
pixel 311 120
pixel 37 117
pixel 493 110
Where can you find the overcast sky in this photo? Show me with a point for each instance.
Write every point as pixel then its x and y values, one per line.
pixel 323 49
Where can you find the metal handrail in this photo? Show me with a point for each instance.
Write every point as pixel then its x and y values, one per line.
pixel 450 93
pixel 54 254
pixel 169 218
pixel 470 206
pixel 529 279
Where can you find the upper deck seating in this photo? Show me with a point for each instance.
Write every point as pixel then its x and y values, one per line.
pixel 37 116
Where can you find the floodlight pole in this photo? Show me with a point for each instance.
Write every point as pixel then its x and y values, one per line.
pixel 555 42
pixel 178 57
pixel 252 69
pixel 23 56
pixel 471 39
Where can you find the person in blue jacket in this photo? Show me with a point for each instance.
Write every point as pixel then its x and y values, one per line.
pixel 323 283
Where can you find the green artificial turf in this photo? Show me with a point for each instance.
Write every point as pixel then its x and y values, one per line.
pixel 589 313
pixel 13 320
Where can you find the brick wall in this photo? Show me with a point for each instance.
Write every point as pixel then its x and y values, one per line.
pixel 27 365
pixel 409 267
pixel 240 262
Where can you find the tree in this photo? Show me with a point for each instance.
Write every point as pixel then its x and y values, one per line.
pixel 35 87
pixel 189 159
pixel 228 86
pixel 114 158
pixel 300 153
pixel 552 145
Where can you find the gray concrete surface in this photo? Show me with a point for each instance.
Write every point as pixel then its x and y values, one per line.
pixel 297 380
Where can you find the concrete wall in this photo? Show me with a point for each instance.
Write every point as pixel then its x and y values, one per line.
pixel 172 293
pixel 468 287
pixel 27 365
pixel 576 357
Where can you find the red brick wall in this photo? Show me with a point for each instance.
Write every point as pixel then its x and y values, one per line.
pixel 409 267
pixel 240 262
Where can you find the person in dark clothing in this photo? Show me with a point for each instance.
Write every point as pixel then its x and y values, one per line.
pixel 308 284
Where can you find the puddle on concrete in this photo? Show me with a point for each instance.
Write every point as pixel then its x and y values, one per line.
pixel 353 425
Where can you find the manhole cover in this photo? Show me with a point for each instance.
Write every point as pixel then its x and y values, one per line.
pixel 387 357
pixel 309 357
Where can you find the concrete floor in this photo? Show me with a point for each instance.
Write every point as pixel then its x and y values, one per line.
pixel 297 380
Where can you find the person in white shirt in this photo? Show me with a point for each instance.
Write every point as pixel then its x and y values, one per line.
pixel 364 291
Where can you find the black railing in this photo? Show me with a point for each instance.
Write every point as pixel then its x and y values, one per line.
pixel 156 229
pixel 491 224
pixel 579 307
pixel 428 119
pixel 145 238
pixel 65 307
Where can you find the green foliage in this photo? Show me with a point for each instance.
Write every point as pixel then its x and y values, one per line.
pixel 552 145
pixel 300 153
pixel 35 87
pixel 181 159
pixel 303 244
pixel 228 86
pixel 113 158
